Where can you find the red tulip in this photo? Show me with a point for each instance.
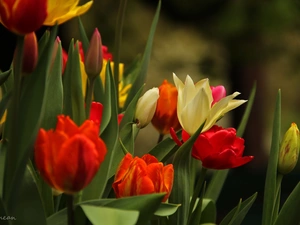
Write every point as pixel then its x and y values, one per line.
pixel 165 115
pixel 146 175
pixel 69 156
pixel 219 148
pixel 96 112
pixel 23 16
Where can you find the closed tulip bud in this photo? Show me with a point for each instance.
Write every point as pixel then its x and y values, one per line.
pixel 69 157
pixel 30 53
pixel 165 115
pixel 145 175
pixel 289 150
pixel 23 16
pixel 94 57
pixel 146 107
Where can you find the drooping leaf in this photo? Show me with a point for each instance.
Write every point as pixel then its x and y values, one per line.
pixel 98 215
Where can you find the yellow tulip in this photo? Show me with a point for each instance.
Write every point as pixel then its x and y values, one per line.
pixel 61 11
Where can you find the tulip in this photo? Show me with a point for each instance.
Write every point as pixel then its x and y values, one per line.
pixel 69 156
pixel 219 148
pixel 289 150
pixel 165 115
pixel 195 104
pixel 146 175
pixel 96 112
pixel 94 56
pixel 30 53
pixel 146 107
pixel 61 11
pixel 23 16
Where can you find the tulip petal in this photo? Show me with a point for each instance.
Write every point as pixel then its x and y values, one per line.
pixel 76 164
pixel 61 11
pixel 225 160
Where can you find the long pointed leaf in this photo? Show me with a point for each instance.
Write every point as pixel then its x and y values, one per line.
pixel 270 184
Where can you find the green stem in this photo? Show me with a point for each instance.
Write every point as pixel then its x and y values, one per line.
pixel 70 209
pixel 160 138
pixel 89 96
pixel 118 40
pixel 197 190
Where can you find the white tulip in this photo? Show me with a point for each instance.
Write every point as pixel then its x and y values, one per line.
pixel 146 107
pixel 194 105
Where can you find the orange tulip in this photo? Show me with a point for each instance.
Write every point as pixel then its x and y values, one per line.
pixel 146 175
pixel 165 115
pixel 23 16
pixel 69 156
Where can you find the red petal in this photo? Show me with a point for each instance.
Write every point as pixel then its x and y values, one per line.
pixel 76 164
pixel 225 160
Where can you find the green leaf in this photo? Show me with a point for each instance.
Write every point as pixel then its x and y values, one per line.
pixel 209 211
pixel 165 149
pixel 23 120
pixel 166 209
pixel 237 214
pixel 130 111
pixel 72 87
pixel 289 213
pixel 181 184
pixel 5 75
pixel 3 213
pixel 218 179
pixel 54 98
pixel 103 215
pixel 108 101
pixel 271 177
pixel 83 36
pixel 29 208
pixel 145 204
pixel 141 74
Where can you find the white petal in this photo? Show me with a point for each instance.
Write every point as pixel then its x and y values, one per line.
pixel 146 106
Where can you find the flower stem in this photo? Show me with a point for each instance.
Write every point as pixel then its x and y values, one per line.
pixel 70 208
pixel 160 138
pixel 89 96
pixel 197 190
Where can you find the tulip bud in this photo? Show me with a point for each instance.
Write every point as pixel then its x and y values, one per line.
pixel 145 107
pixel 94 56
pixel 30 53
pixel 289 150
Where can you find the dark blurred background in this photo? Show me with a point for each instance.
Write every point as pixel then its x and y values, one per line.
pixel 232 42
